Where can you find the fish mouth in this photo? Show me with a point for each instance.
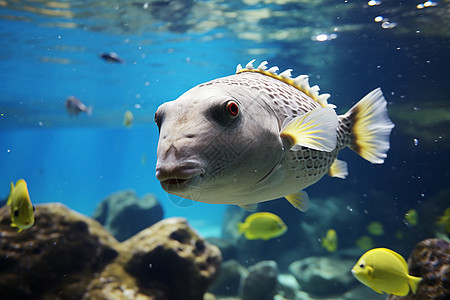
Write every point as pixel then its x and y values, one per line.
pixel 177 178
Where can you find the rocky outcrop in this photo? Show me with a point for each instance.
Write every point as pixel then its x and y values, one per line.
pixel 229 279
pixel 54 259
pixel 261 282
pixel 66 255
pixel 124 214
pixel 322 275
pixel 430 260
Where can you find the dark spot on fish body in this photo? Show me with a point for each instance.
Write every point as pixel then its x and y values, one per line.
pixel 306 153
pixel 312 172
pixel 317 164
pixel 351 120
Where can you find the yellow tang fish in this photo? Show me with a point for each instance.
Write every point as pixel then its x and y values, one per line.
pixel 375 228
pixel 262 226
pixel 128 119
pixel 330 241
pixel 22 211
pixel 364 243
pixel 384 270
pixel 411 217
pixel 445 220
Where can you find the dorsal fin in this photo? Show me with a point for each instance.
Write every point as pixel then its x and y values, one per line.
pixel 300 82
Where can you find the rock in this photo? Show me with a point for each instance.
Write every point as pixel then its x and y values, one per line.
pixel 230 275
pixel 229 250
pixel 54 259
pixel 430 260
pixel 363 292
pixel 323 275
pixel 261 282
pixel 66 255
pixel 166 261
pixel 287 286
pixel 124 214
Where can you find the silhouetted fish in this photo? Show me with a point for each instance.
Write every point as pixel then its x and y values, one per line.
pixel 74 106
pixel 111 57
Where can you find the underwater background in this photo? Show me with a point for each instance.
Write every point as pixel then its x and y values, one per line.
pixel 50 50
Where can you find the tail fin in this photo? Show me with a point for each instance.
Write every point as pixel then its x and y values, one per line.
pixel 370 127
pixel 242 227
pixel 414 282
pixel 89 110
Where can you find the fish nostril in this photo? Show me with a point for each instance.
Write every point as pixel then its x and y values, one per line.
pixel 190 136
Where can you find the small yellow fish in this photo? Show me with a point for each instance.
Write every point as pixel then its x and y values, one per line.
pixel 128 119
pixel 364 243
pixel 262 226
pixel 22 211
pixel 411 217
pixel 330 241
pixel 384 270
pixel 445 220
pixel 375 228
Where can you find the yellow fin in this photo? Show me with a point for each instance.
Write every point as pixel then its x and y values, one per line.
pixel 376 290
pixel 414 282
pixel 10 194
pixel 370 127
pixel 338 169
pixel 299 200
pixel 316 130
pixel 242 227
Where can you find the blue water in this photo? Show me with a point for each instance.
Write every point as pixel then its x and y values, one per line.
pixel 80 160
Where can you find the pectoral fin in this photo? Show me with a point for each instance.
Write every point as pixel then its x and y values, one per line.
pixel 299 200
pixel 249 207
pixel 316 130
pixel 376 290
pixel 338 169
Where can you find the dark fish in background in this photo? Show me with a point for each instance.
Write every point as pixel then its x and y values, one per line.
pixel 111 57
pixel 74 106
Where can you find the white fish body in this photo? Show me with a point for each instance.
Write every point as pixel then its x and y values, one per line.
pixel 257 136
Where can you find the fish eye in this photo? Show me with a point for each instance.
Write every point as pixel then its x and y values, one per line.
pixel 233 109
pixel 225 113
pixel 361 266
pixel 16 213
pixel 34 209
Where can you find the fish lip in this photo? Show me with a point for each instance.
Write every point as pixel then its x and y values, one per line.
pixel 179 177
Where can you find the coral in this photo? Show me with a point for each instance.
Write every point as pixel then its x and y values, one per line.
pixel 124 214
pixel 66 255
pixel 430 260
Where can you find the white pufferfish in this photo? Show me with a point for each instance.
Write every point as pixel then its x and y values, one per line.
pixel 258 135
